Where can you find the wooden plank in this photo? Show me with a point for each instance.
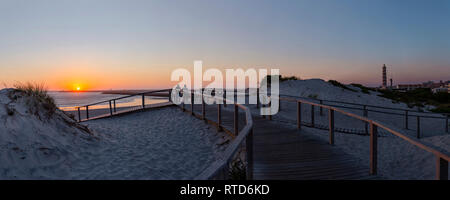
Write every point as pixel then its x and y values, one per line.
pixel 373 148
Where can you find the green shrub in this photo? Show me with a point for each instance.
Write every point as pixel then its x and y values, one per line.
pixel 420 97
pixel 338 84
pixel 363 88
pixel 268 78
pixel 288 78
pixel 313 96
pixel 238 170
pixel 442 109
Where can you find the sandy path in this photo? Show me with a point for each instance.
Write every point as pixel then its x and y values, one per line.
pixel 158 144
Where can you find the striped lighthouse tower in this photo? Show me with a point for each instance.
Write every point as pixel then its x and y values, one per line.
pixel 384 77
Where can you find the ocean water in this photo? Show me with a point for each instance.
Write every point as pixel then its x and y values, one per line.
pixel 70 100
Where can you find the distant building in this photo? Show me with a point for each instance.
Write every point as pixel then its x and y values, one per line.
pixel 441 89
pixel 431 84
pixel 409 86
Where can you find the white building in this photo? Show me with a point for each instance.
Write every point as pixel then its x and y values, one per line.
pixel 440 89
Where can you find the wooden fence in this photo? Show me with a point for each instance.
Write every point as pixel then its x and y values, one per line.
pixel 441 158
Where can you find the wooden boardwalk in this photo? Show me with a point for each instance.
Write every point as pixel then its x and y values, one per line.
pixel 282 152
pixel 286 153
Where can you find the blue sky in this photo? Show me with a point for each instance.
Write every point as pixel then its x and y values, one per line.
pixel 129 41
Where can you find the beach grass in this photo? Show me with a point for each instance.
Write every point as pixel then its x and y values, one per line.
pixel 39 92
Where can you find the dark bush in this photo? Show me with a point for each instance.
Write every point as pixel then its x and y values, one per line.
pixel 338 84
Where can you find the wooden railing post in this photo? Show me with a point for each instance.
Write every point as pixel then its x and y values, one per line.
pixel 321 112
pixel 114 105
pixel 224 97
pixel 110 109
pixel 441 168
pixel 219 117
pixel 366 125
pixel 192 101
pixel 406 119
pixel 270 113
pixel 373 148
pixel 87 112
pixel 203 108
pixel 143 101
pixel 170 95
pixel 257 97
pixel 236 120
pixel 263 106
pixel 418 127
pixel 312 115
pixel 279 104
pixel 331 125
pixel 79 115
pixel 299 114
pixel 446 123
pixel 249 151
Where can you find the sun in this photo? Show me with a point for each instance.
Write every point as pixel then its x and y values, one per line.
pixel 78 88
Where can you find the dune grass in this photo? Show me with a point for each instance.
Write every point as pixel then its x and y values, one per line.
pixel 363 88
pixel 39 92
pixel 338 84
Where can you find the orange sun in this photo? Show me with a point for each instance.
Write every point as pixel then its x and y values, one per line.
pixel 77 88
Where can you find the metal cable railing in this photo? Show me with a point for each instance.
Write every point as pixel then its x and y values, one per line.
pixel 413 122
pixel 441 158
pixel 117 106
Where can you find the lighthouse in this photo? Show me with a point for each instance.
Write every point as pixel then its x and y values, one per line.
pixel 384 85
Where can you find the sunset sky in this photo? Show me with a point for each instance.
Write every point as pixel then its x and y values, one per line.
pixel 136 44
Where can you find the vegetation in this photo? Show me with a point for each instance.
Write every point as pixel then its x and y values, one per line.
pixel 444 108
pixel 39 93
pixel 313 96
pixel 420 97
pixel 288 78
pixel 238 170
pixel 338 84
pixel 363 88
pixel 281 78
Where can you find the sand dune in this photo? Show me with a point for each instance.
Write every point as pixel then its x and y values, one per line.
pixel 158 144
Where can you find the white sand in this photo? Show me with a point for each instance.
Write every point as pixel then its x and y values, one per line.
pixel 397 158
pixel 34 145
pixel 327 91
pixel 158 144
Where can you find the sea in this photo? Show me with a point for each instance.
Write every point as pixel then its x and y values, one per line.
pixel 69 101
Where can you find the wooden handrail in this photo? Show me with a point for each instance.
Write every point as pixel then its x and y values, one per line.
pixel 410 140
pixel 218 169
pixel 442 158
pixel 127 96
pixel 358 104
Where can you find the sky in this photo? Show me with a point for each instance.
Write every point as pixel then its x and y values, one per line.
pixel 111 44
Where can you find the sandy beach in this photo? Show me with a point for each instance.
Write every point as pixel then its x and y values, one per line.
pixel 157 144
pixel 36 143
